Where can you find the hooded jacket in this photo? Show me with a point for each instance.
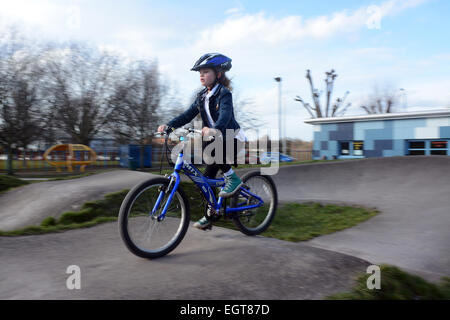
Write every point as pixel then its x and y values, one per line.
pixel 220 108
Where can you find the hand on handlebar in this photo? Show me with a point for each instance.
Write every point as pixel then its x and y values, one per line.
pixel 162 128
pixel 206 131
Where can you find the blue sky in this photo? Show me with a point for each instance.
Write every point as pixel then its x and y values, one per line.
pixel 392 43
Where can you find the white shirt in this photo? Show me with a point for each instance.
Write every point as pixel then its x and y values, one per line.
pixel 240 135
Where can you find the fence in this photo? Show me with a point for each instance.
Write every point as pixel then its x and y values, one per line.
pixel 33 160
pixel 301 155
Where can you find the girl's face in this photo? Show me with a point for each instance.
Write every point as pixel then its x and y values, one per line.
pixel 207 77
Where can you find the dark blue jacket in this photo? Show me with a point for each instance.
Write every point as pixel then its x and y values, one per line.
pixel 220 108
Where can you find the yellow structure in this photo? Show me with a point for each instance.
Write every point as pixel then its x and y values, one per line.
pixel 64 155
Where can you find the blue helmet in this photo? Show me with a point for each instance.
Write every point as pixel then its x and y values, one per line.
pixel 213 60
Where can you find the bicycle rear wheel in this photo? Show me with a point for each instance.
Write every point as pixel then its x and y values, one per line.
pixel 254 221
pixel 143 233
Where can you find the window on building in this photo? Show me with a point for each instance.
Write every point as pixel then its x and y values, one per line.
pixel 417 152
pixel 417 144
pixel 438 148
pixel 351 148
pixel 438 145
pixel 428 147
pixel 358 147
pixel 345 148
pixel 416 148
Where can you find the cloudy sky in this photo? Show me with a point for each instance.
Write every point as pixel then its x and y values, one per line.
pixel 389 44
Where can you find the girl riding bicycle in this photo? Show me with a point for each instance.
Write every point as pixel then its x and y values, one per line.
pixel 215 105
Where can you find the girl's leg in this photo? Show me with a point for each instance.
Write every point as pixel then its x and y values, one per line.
pixel 211 171
pixel 233 182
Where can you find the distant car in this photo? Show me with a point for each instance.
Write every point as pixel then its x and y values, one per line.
pixel 99 157
pixel 267 157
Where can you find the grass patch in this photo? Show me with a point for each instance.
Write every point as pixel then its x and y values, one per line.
pixel 293 222
pixel 397 284
pixel 300 222
pixel 9 182
pixel 90 214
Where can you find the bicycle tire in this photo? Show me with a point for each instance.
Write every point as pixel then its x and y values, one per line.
pixel 126 209
pixel 239 217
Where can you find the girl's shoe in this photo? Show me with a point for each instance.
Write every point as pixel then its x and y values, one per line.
pixel 203 224
pixel 232 184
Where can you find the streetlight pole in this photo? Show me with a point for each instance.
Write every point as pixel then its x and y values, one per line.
pixel 404 97
pixel 278 79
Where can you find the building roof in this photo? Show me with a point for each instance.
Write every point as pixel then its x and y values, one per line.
pixel 438 113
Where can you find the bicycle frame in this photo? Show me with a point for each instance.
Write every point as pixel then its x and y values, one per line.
pixel 204 184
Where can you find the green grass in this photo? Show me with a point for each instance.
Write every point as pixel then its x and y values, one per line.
pixel 397 284
pixel 300 222
pixel 293 222
pixel 9 182
pixel 90 214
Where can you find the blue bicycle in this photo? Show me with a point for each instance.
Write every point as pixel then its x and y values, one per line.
pixel 155 214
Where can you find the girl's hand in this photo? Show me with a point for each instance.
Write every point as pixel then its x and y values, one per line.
pixel 206 131
pixel 162 128
pixel 209 131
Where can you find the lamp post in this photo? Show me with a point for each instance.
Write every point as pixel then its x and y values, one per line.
pixel 278 79
pixel 404 97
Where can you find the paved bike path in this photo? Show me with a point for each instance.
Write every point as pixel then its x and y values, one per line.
pixel 411 232
pixel 220 264
pixel 412 193
pixel 30 204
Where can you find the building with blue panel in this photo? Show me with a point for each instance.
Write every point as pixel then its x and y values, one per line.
pixel 382 135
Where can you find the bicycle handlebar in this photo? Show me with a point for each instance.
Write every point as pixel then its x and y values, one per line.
pixel 182 132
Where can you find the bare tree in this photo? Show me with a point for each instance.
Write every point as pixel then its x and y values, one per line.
pixel 137 104
pixel 382 101
pixel 244 114
pixel 316 110
pixel 19 102
pixel 136 101
pixel 79 90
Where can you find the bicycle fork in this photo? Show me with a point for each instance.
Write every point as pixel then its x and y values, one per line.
pixel 175 177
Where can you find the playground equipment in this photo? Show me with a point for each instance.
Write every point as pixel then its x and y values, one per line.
pixel 69 155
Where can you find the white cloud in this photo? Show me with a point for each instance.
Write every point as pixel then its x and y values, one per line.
pixel 28 11
pixel 261 28
pixel 232 11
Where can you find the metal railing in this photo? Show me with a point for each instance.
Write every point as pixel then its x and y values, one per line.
pixel 33 160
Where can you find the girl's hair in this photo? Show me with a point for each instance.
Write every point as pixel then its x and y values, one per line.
pixel 223 80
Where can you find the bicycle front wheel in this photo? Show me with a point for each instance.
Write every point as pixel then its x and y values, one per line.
pixel 254 221
pixel 142 232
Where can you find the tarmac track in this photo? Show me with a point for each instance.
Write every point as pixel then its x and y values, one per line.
pixel 411 232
